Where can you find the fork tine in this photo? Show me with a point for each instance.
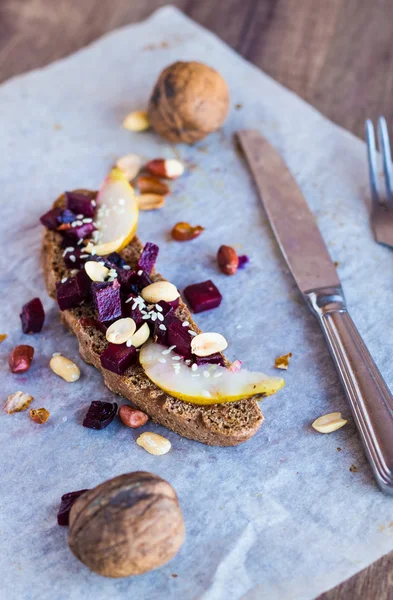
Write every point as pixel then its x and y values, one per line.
pixel 372 161
pixel 384 146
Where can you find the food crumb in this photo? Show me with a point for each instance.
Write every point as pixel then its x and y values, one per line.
pixel 3 336
pixel 175 575
pixel 338 449
pixel 57 126
pixel 353 469
pixel 282 362
pixel 336 263
pixel 238 106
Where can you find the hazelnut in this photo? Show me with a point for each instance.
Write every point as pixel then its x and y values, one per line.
pixel 126 526
pixel 189 101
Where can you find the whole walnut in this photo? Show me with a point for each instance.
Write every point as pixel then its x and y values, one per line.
pixel 127 525
pixel 189 101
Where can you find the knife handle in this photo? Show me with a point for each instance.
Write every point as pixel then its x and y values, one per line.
pixel 369 397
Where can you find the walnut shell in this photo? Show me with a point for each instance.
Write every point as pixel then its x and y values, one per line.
pixel 127 525
pixel 189 101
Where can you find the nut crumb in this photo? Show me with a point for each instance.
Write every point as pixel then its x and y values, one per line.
pixel 282 362
pixel 338 449
pixel 3 336
pixel 353 469
pixel 238 106
pixel 175 575
pixel 336 263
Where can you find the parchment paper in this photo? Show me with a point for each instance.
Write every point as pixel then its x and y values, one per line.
pixel 281 516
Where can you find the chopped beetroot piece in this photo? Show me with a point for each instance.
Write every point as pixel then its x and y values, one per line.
pixel 178 336
pixel 167 307
pixel 107 300
pixel 148 258
pixel 213 359
pixel 118 358
pixel 243 260
pixel 81 232
pixel 134 283
pixel 67 216
pixel 74 291
pixel 202 296
pixel 115 260
pixel 174 303
pixel 32 316
pixel 130 311
pixel 76 258
pixel 50 218
pixel 100 414
pixel 80 204
pixel 67 500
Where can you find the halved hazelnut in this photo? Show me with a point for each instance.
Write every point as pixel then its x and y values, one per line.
pixel 208 343
pixel 96 271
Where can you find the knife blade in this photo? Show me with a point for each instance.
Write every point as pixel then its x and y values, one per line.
pixel 292 221
pixel 308 259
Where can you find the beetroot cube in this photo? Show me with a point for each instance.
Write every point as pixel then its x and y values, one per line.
pixel 202 296
pixel 169 317
pixel 107 300
pixel 115 260
pixel 213 359
pixel 81 232
pixel 67 500
pixel 73 292
pixel 118 358
pixel 67 216
pixel 243 260
pixel 130 311
pixel 133 282
pixel 178 336
pixel 76 259
pixel 80 204
pixel 32 316
pixel 174 303
pixel 50 218
pixel 148 258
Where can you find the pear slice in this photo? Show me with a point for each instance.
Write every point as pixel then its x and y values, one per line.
pixel 208 384
pixel 116 215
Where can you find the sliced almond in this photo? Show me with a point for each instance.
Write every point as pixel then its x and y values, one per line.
pixel 328 423
pixel 17 402
pixel 151 185
pixel 150 201
pixel 121 330
pixel 160 290
pixel 96 271
pixel 137 120
pixel 140 337
pixel 208 343
pixel 130 164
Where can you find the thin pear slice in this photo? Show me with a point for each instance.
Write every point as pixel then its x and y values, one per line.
pixel 209 384
pixel 116 215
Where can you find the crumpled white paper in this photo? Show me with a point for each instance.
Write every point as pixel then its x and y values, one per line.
pixel 281 516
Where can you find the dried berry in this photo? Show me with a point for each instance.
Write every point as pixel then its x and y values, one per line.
pixel 243 260
pixel 100 414
pixel 39 415
pixel 228 260
pixel 67 501
pixel 132 417
pixel 183 232
pixel 20 358
pixel 202 296
pixel 32 316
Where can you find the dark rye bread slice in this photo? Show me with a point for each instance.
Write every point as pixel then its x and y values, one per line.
pixel 217 425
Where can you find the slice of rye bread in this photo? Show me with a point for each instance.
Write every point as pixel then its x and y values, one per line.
pixel 217 425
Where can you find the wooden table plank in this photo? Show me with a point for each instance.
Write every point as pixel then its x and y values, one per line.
pixel 336 54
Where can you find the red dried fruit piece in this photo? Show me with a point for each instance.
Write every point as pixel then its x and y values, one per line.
pixel 20 358
pixel 183 232
pixel 32 316
pixel 131 417
pixel 202 296
pixel 213 359
pixel 50 219
pixel 107 300
pixel 178 336
pixel 67 501
pixel 80 203
pixel 243 260
pixel 100 414
pixel 74 291
pixel 39 415
pixel 118 358
pixel 148 258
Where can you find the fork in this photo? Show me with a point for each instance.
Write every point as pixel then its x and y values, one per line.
pixel 382 203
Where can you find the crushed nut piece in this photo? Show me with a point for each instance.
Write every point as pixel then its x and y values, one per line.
pixel 136 121
pixel 17 402
pixel 282 362
pixel 328 423
pixel 39 415
pixel 353 469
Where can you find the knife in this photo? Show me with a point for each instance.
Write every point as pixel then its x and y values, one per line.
pixel 308 259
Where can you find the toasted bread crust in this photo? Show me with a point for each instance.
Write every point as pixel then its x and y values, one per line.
pixel 217 425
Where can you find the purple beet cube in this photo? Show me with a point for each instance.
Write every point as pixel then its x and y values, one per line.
pixel 213 359
pixel 107 300
pixel 32 316
pixel 131 309
pixel 202 296
pixel 148 258
pixel 76 258
pixel 74 291
pixel 50 218
pixel 134 282
pixel 67 501
pixel 178 336
pixel 80 232
pixel 118 358
pixel 243 260
pixel 174 303
pixel 100 414
pixel 80 204
pixel 115 260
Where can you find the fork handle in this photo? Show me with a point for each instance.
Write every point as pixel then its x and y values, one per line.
pixel 368 395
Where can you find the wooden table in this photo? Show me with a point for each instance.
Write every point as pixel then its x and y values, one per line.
pixel 336 54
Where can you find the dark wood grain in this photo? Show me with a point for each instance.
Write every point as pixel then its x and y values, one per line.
pixel 336 54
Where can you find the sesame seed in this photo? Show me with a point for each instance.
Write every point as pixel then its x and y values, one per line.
pixel 93 203
pixel 185 324
pixel 72 258
pixel 153 316
pixel 161 360
pixel 79 216
pixel 145 317
pixel 56 354
pixel 176 357
pixel 159 308
pixel 168 350
pixel 83 256
pixel 194 367
pixel 67 250
pixel 238 327
pixel 87 220
pixel 126 267
pixel 160 317
pixel 140 272
pixel 162 326
pixel 129 300
pixel 76 223
pixel 79 242
pixel 191 332
pixel 64 280
pixel 74 272
pixel 129 343
pixel 188 362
